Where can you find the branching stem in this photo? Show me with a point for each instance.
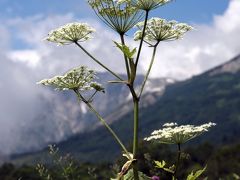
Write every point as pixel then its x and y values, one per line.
pixel 125 57
pixel 142 39
pixel 98 62
pixel 81 98
pixel 148 71
pixel 91 97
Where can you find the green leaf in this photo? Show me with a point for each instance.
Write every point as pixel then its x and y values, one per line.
pixel 126 50
pixel 129 54
pixel 159 164
pixel 193 176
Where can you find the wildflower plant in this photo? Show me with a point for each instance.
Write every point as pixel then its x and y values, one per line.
pixel 171 133
pixel 158 30
pixel 148 5
pixel 121 16
pixel 70 33
pixel 80 78
pixel 65 165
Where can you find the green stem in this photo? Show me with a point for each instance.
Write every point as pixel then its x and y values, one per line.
pixel 80 97
pixel 93 58
pixel 148 72
pixel 125 57
pixel 90 99
pixel 141 41
pixel 178 160
pixel 135 137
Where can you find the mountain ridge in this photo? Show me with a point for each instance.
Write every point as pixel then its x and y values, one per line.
pixel 203 98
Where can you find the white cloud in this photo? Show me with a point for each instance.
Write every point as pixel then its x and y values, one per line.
pixel 206 47
pixel 202 49
pixel 58 59
pixel 30 57
pixel 230 21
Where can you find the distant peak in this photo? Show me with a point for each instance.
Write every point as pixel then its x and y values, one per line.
pixel 231 66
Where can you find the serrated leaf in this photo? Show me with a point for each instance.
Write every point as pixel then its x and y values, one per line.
pixel 126 50
pixel 198 173
pixel 159 164
pixel 133 52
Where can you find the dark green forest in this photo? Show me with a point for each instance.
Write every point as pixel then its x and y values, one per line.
pixel 223 162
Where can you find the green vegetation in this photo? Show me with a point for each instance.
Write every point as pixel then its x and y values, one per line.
pixel 223 162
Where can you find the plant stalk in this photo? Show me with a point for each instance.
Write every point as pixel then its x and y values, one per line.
pixel 142 39
pixel 148 71
pixel 80 97
pixel 135 136
pixel 125 57
pixel 178 160
pixel 98 62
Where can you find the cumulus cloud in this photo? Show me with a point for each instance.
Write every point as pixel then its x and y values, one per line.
pixel 201 49
pixel 30 57
pixel 32 116
pixel 57 59
pixel 22 102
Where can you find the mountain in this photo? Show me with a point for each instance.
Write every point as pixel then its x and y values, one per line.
pixel 59 115
pixel 212 96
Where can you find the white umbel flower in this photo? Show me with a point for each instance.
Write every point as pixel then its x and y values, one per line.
pixel 122 1
pixel 148 5
pixel 173 134
pixel 120 15
pixel 169 124
pixel 158 29
pixel 70 33
pixel 80 78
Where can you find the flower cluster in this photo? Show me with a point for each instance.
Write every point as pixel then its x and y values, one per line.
pixel 148 5
pixel 158 29
pixel 173 134
pixel 70 33
pixel 80 78
pixel 120 15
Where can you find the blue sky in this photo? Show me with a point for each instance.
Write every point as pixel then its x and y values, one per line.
pixel 190 11
pixel 197 11
pixel 26 58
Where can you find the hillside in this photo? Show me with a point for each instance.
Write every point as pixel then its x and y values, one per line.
pixel 60 116
pixel 212 96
